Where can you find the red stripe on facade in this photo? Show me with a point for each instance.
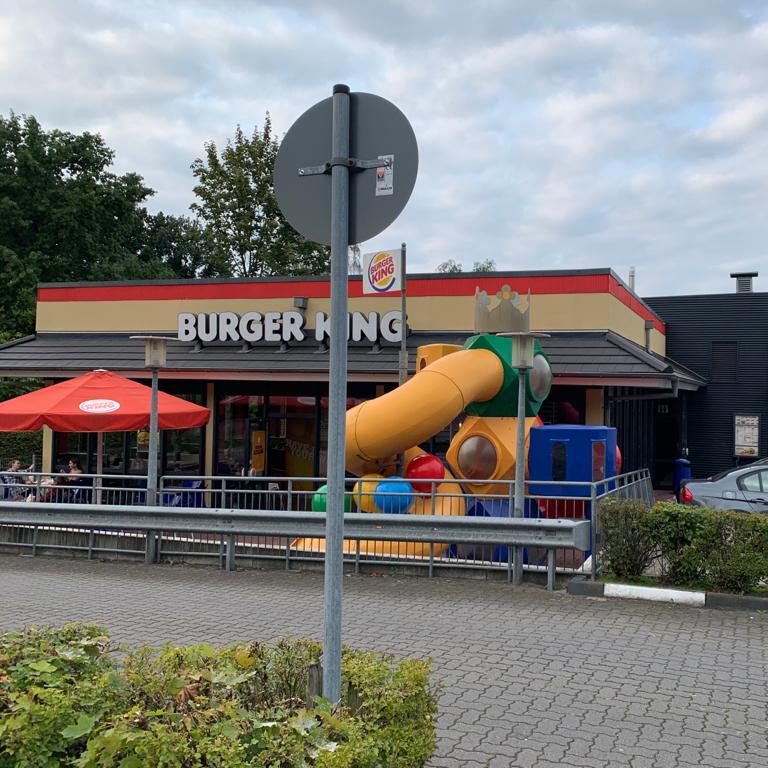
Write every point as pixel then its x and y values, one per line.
pixel 625 297
pixel 464 286
pixel 312 290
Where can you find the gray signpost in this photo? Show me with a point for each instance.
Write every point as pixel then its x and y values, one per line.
pixel 344 198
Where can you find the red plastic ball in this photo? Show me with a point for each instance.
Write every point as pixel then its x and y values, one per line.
pixel 424 467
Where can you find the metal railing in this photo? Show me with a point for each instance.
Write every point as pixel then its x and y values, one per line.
pixel 202 496
pixel 635 485
pixel 73 487
pixel 296 526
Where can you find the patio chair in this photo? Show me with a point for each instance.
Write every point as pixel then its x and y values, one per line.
pixel 192 497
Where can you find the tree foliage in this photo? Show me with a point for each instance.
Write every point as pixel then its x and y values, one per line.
pixel 449 267
pixel 249 236
pixel 452 267
pixel 181 244
pixel 64 216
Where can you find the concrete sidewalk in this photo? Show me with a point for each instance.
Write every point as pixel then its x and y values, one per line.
pixel 529 679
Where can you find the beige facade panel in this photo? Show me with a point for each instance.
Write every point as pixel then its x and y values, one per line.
pixel 555 312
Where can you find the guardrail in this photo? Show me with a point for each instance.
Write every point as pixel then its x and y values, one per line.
pixel 547 534
pixel 282 495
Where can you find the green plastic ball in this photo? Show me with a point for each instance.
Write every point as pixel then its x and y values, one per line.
pixel 320 500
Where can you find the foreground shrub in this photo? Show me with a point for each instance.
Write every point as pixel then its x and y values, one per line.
pixel 628 543
pixel 66 699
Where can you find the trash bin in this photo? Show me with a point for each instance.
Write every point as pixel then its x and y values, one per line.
pixel 682 472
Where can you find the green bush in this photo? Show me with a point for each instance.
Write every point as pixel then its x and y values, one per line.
pixel 22 445
pixel 692 546
pixel 67 699
pixel 712 549
pixel 628 544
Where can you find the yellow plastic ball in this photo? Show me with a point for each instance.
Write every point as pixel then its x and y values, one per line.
pixel 362 493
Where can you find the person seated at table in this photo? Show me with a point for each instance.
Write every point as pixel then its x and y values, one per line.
pixel 76 469
pixel 13 480
pixel 81 493
pixel 56 493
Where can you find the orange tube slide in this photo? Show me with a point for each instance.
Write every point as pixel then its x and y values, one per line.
pixel 423 406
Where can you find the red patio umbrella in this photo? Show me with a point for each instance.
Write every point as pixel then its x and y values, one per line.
pixel 99 401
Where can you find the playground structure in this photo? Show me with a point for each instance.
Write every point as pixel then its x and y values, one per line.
pixel 383 435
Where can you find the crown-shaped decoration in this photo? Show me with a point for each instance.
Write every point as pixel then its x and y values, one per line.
pixel 506 317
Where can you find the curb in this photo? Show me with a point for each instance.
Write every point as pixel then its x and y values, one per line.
pixel 581 587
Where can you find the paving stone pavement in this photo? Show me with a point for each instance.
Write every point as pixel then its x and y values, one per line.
pixel 530 679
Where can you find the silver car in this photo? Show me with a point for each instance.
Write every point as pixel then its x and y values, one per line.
pixel 744 489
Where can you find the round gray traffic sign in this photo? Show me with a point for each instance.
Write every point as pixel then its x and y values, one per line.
pixel 384 161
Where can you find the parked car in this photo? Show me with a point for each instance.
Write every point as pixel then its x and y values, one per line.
pixel 744 489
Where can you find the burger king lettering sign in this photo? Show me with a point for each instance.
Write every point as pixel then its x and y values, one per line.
pixel 381 272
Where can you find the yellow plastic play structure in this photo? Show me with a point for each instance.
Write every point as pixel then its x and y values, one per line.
pixel 449 379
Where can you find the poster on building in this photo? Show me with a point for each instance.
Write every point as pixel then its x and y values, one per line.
pixel 746 435
pixel 381 272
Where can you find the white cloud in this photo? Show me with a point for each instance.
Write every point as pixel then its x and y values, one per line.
pixel 553 134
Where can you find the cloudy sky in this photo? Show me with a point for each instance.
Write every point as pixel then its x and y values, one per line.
pixel 553 134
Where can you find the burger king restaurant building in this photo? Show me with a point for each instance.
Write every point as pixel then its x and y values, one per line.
pixel 256 353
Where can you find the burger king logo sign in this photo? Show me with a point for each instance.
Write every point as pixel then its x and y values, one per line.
pixel 381 272
pixel 99 406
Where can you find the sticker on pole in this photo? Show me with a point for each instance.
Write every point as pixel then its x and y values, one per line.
pixel 385 177
pixel 381 272
pixel 99 406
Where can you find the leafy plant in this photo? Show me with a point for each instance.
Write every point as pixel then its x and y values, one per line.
pixel 710 548
pixel 692 546
pixel 53 690
pixel 629 545
pixel 65 699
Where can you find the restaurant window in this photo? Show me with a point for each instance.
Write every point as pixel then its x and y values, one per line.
pixel 183 448
pixel 72 445
pixel 323 458
pixel 241 435
pixel 291 424
pixel 564 405
pixel 114 453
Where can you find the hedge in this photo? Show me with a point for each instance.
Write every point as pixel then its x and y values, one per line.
pixel 67 698
pixel 22 445
pixel 691 546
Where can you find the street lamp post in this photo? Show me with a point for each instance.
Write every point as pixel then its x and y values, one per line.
pixel 522 361
pixel 155 354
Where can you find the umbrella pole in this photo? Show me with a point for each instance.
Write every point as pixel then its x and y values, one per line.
pixel 99 464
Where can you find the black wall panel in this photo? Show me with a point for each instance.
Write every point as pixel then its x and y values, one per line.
pixel 700 331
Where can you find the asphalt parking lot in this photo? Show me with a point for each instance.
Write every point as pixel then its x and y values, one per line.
pixel 528 678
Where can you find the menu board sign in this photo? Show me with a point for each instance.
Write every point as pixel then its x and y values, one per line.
pixel 746 435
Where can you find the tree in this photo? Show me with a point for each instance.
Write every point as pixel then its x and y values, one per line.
pixel 64 216
pixel 248 234
pixel 181 244
pixel 487 265
pixel 449 267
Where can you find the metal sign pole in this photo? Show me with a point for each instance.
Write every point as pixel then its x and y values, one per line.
pixel 337 397
pixel 403 372
pixel 362 205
